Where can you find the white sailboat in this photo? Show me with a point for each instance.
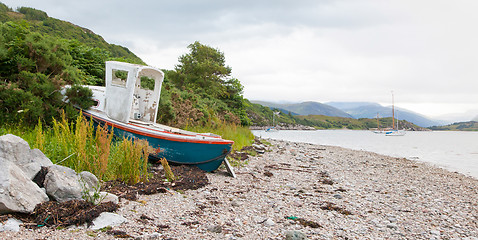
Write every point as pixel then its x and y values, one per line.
pixel 274 127
pixel 394 131
pixel 379 130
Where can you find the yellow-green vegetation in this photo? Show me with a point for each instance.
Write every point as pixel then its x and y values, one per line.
pixel 237 163
pixel 167 170
pixel 241 135
pixel 82 147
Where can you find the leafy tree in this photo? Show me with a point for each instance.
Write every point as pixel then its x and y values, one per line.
pixel 203 71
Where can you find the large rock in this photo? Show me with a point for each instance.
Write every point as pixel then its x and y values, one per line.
pixel 17 150
pixel 62 183
pixel 89 180
pixel 33 165
pixel 14 149
pixel 17 192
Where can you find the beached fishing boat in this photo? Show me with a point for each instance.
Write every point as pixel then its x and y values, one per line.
pixel 128 105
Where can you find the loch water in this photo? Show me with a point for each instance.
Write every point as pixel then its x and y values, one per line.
pixel 453 150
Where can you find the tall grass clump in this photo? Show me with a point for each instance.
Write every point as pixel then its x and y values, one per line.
pixel 130 160
pixel 83 147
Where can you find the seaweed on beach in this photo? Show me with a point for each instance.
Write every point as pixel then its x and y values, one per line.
pixel 325 178
pixel 73 212
pixel 305 222
pixel 118 234
pixel 188 178
pixel 332 207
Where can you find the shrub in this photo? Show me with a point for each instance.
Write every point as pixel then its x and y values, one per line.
pixel 33 14
pixel 80 96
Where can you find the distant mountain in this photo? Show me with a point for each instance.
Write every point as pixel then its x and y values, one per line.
pixel 307 108
pixel 370 110
pixel 350 105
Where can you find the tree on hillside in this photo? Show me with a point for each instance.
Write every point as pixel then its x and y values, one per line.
pixel 205 68
pixel 203 71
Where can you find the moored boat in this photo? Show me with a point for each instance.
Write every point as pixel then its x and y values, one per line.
pixel 128 105
pixel 394 131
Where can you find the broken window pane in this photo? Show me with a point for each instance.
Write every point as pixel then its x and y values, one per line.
pixel 147 83
pixel 119 77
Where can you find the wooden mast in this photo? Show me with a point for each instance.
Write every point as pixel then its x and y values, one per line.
pixel 393 113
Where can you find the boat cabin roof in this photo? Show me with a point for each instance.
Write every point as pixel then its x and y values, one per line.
pixel 132 92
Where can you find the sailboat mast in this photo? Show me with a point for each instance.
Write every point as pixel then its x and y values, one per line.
pixel 393 113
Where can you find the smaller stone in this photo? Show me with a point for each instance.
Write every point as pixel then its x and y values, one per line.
pixel 338 196
pixel 435 232
pixel 295 235
pixel 375 221
pixel 392 226
pixel 392 219
pixel 107 219
pixel 258 219
pixel 12 225
pixel 152 236
pixel 235 204
pixel 215 228
pixel 269 222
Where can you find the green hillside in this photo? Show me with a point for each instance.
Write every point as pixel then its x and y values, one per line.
pixel 263 116
pixel 40 22
pixel 460 126
pixel 328 122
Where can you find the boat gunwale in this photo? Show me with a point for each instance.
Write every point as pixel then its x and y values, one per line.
pixel 180 138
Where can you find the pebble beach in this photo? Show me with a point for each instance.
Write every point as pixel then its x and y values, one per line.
pixel 303 191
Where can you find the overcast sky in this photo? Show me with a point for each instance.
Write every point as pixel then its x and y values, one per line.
pixel 307 50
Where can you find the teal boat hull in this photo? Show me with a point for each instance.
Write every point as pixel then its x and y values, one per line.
pixel 207 153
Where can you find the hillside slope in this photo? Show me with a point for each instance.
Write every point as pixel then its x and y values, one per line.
pixel 370 110
pixel 39 21
pixel 460 126
pixel 307 108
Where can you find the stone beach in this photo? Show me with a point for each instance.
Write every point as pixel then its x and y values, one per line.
pixel 299 191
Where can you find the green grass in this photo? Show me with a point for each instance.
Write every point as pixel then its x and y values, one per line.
pixel 241 136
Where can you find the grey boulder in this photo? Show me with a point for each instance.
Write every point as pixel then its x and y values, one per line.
pixel 62 184
pixel 17 151
pixel 17 192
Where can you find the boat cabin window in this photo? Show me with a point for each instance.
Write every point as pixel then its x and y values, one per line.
pixel 119 78
pixel 147 83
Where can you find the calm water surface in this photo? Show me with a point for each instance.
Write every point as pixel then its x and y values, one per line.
pixel 456 151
